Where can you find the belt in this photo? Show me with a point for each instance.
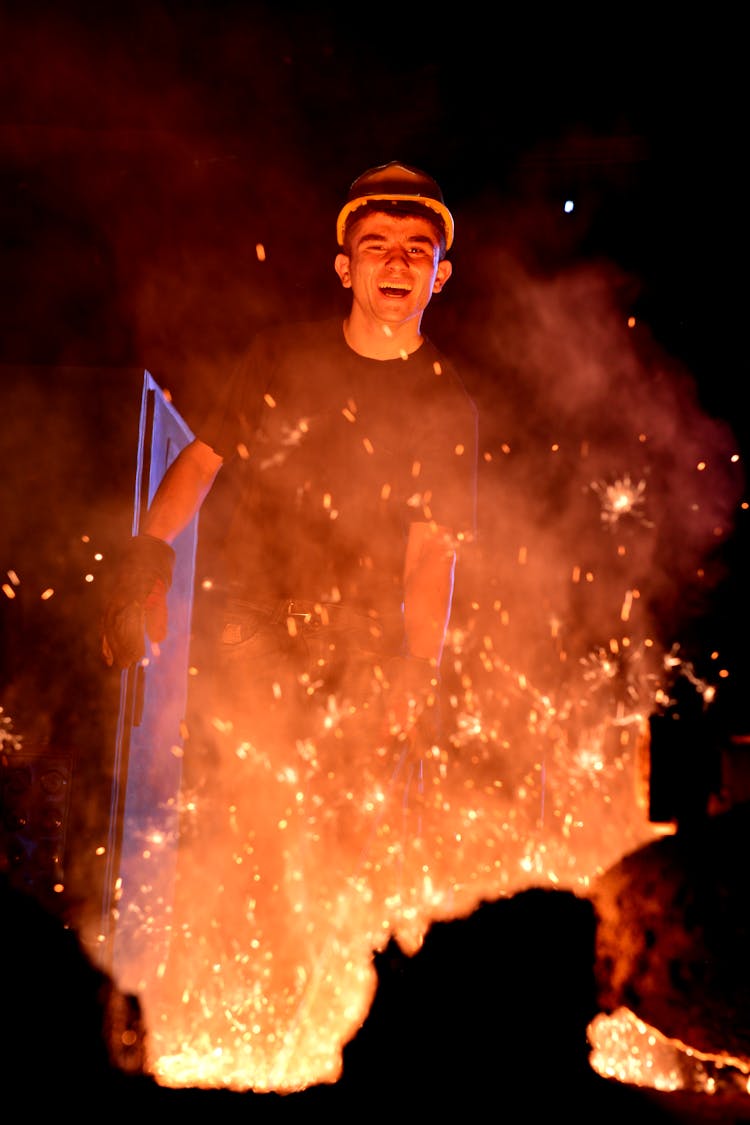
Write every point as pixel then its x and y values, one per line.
pixel 320 613
pixel 305 611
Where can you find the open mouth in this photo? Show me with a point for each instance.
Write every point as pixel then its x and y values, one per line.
pixel 395 289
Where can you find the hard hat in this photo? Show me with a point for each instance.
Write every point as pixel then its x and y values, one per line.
pixel 395 183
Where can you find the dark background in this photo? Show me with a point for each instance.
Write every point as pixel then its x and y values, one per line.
pixel 147 149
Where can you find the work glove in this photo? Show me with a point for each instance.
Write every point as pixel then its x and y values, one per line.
pixel 412 687
pixel 137 604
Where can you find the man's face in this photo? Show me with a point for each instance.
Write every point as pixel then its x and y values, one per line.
pixel 393 267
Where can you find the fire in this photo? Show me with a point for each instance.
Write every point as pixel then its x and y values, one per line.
pixel 375 845
pixel 543 790
pixel 627 1049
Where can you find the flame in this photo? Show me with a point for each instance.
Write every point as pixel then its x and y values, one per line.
pixel 539 782
pixel 629 1050
pixel 375 845
pixel 379 844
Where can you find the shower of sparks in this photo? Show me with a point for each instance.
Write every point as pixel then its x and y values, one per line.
pixel 538 780
pixel 621 497
pixel 532 785
pixel 627 669
pixel 256 979
pixel 374 842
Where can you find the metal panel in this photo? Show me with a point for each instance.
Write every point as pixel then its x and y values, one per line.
pixel 145 795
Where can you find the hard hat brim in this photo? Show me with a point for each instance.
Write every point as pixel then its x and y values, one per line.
pixel 422 202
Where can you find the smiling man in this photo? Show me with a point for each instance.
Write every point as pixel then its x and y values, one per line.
pixel 350 451
pixel 345 453
pixel 393 259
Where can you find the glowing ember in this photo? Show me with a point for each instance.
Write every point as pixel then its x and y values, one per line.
pixel 629 1050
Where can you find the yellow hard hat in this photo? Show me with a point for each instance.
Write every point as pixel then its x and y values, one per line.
pixel 396 184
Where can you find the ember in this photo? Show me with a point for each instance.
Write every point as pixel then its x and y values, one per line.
pixel 627 1049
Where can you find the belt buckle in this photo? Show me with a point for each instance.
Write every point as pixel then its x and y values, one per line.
pixel 291 612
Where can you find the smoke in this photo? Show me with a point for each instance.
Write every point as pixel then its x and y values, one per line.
pixel 597 451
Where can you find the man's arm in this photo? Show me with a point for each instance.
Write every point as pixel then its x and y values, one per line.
pixel 429 570
pixel 137 604
pixel 181 493
pixel 414 677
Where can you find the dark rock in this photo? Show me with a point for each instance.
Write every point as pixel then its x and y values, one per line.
pixel 674 934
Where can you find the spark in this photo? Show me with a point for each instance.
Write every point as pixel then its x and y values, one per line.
pixel 290 438
pixel 673 663
pixel 619 498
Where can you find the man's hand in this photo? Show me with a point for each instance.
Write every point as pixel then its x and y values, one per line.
pixel 411 694
pixel 138 601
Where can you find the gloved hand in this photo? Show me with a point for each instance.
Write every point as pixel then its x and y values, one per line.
pixel 411 695
pixel 137 603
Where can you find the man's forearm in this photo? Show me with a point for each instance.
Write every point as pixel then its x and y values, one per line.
pixel 182 491
pixel 428 591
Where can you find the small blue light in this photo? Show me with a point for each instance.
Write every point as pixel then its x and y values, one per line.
pixel 569 205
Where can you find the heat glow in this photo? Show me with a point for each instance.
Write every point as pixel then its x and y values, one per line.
pixel 529 789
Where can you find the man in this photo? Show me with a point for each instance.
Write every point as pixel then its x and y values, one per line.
pixel 353 454
pixel 348 476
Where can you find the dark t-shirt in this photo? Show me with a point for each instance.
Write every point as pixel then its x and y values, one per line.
pixel 328 457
